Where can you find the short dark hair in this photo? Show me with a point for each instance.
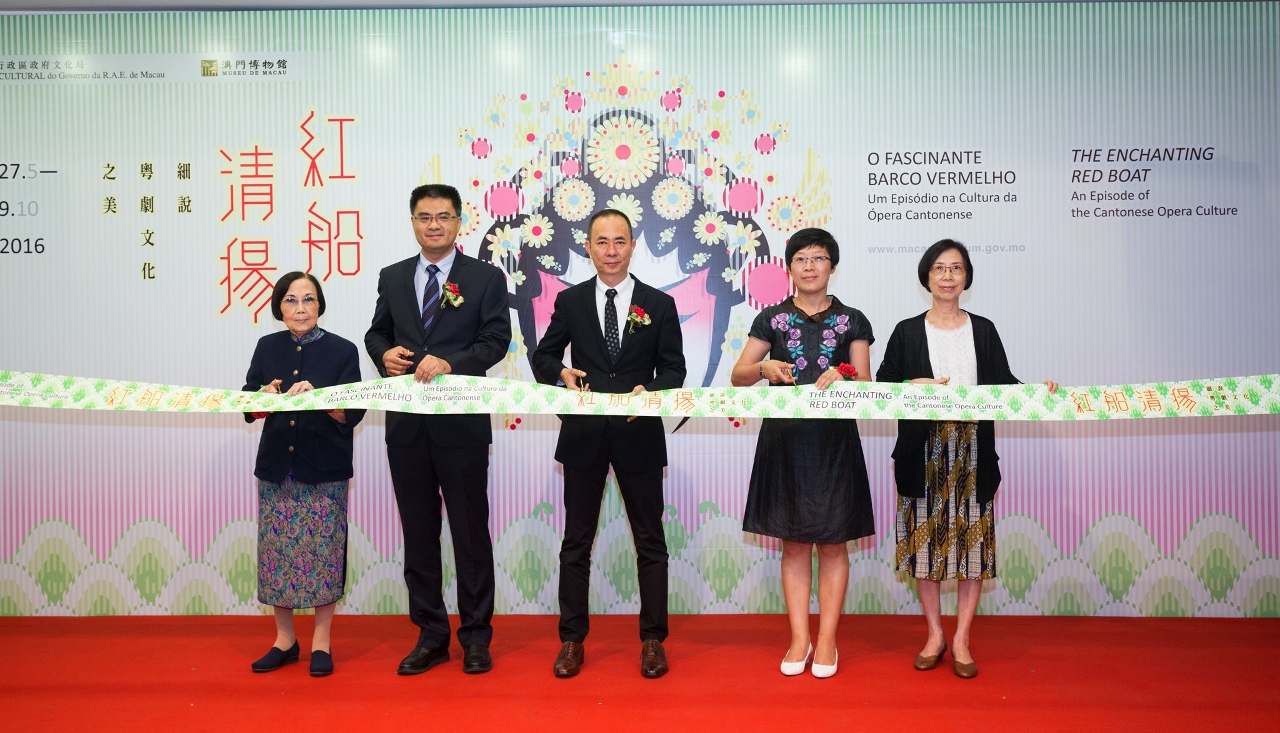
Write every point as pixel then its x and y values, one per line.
pixel 932 254
pixel 282 287
pixel 609 212
pixel 436 191
pixel 813 237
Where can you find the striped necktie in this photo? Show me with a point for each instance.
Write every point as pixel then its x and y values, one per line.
pixel 430 298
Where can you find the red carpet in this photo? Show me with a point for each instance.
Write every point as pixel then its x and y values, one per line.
pixel 192 673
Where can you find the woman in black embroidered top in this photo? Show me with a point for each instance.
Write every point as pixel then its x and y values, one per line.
pixel 947 472
pixel 303 468
pixel 809 480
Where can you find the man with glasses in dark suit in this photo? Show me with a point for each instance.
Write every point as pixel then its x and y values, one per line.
pixel 441 312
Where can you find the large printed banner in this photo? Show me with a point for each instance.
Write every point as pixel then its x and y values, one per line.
pixel 1113 167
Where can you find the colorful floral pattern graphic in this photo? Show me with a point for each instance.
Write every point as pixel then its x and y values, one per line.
pixel 537 231
pixel 574 200
pixel 622 152
pixel 627 204
pixel 785 214
pixel 709 228
pixel 678 159
pixel 744 238
pixel 672 198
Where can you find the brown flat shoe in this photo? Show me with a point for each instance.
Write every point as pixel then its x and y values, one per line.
pixel 569 660
pixel 966 671
pixel 653 660
pixel 924 664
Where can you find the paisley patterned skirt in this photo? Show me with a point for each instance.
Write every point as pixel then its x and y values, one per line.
pixel 948 533
pixel 302 543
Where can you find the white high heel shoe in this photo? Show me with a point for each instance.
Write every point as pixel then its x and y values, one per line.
pixel 822 671
pixel 791 669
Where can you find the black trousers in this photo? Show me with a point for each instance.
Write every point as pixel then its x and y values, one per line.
pixel 423 472
pixel 642 497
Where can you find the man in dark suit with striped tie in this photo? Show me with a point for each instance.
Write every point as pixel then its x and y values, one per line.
pixel 441 312
pixel 625 338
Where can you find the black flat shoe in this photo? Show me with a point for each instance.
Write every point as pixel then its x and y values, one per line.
pixel 321 663
pixel 272 660
pixel 477 660
pixel 423 658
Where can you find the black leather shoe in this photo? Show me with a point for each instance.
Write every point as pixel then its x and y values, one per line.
pixel 321 663
pixel 272 660
pixel 477 660
pixel 423 658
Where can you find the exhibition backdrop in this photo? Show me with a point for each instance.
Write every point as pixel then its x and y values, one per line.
pixel 1114 168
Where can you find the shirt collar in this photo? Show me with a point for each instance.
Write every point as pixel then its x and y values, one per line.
pixel 624 288
pixel 307 337
pixel 445 264
pixel 790 306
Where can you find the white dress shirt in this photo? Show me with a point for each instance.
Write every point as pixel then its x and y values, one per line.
pixel 621 302
pixel 420 275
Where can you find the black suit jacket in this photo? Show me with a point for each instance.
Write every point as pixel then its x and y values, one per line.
pixel 907 357
pixel 471 337
pixel 652 356
pixel 314 446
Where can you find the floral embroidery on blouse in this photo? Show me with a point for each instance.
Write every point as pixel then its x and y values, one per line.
pixel 789 325
pixel 835 325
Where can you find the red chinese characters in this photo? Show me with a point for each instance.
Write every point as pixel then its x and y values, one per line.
pixel 245 275
pixel 337 241
pixel 332 231
pixel 256 166
pixel 314 177
pixel 333 240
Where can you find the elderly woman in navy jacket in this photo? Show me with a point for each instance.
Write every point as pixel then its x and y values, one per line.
pixel 947 472
pixel 303 467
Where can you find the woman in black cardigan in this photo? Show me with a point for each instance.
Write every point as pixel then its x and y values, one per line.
pixel 947 472
pixel 303 468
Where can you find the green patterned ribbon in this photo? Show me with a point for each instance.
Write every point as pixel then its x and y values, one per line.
pixel 453 395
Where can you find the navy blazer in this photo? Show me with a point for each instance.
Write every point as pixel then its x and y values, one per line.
pixel 471 337
pixel 314 446
pixel 906 357
pixel 652 356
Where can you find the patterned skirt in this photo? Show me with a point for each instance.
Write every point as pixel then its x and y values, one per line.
pixel 302 543
pixel 948 533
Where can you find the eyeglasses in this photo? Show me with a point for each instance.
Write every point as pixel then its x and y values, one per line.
pixel 941 270
pixel 815 261
pixel 428 218
pixel 308 301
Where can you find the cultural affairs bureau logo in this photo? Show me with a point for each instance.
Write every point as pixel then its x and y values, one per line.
pixel 208 67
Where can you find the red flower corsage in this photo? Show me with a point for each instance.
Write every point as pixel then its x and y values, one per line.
pixel 451 294
pixel 848 371
pixel 636 317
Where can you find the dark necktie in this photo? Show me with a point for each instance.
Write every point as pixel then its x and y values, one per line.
pixel 611 325
pixel 430 298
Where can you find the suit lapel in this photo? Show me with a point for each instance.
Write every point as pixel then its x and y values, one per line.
pixel 639 297
pixel 588 307
pixel 401 307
